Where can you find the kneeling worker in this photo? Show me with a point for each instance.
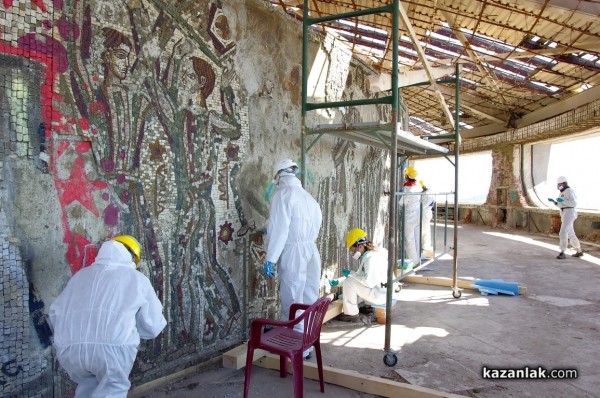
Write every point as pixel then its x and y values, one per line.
pixel 366 282
pixel 100 317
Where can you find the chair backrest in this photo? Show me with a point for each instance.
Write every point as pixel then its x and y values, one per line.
pixel 313 320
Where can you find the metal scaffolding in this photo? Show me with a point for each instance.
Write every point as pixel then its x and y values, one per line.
pixel 401 144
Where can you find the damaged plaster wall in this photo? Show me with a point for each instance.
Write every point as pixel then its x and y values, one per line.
pixel 30 233
pixel 164 121
pixel 344 177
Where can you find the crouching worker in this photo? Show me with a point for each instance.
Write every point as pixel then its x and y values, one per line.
pixel 100 316
pixel 365 283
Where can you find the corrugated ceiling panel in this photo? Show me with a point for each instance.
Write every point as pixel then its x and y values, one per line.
pixel 512 22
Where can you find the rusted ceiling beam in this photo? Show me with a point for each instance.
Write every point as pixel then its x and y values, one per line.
pixel 487 77
pixel 482 114
pixel 425 62
pixel 469 102
pixel 544 113
pixel 593 47
pixel 559 107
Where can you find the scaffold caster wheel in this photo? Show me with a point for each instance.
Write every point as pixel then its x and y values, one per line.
pixel 456 294
pixel 390 359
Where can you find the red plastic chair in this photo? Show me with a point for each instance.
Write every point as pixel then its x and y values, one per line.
pixel 289 343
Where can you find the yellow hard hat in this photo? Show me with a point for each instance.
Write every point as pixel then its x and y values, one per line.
pixel 411 172
pixel 131 244
pixel 422 183
pixel 354 235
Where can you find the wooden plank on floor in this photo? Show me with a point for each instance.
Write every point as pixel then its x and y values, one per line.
pixel 359 382
pixel 441 281
pixel 236 357
pixel 335 308
pixel 146 388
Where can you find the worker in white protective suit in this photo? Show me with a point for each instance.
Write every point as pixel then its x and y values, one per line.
pixel 100 317
pixel 294 224
pixel 427 204
pixel 566 202
pixel 365 283
pixel 411 206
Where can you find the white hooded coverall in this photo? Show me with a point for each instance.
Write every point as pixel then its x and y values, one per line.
pixel 98 320
pixel 294 224
pixel 412 222
pixel 366 282
pixel 568 215
pixel 427 202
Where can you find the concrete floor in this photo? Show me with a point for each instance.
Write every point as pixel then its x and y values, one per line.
pixel 443 343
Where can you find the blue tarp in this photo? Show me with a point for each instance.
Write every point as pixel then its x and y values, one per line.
pixel 496 286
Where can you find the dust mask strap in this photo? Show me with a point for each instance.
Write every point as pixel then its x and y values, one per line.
pixel 356 254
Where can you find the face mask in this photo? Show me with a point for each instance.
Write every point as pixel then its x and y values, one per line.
pixel 356 254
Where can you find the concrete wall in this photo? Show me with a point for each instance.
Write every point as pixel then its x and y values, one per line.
pixel 163 120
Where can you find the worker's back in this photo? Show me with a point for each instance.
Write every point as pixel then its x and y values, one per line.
pixel 108 302
pixel 305 212
pixel 295 217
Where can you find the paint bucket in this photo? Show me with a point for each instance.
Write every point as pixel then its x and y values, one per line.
pixel 380 315
pixel 408 264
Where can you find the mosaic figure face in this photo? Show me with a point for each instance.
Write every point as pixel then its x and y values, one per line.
pixel 117 60
pixel 187 77
pixel 190 95
pixel 116 56
pixel 197 79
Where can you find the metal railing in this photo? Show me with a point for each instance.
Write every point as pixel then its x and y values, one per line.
pixel 439 197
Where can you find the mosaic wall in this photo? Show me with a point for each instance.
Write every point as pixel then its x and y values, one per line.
pixel 159 119
pixel 26 365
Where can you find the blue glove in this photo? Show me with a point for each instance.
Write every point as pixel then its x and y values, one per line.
pixel 345 272
pixel 551 200
pixel 334 282
pixel 560 200
pixel 269 269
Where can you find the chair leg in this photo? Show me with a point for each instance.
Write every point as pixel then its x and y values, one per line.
pixel 319 364
pixel 283 366
pixel 298 369
pixel 248 371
